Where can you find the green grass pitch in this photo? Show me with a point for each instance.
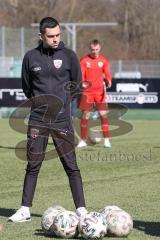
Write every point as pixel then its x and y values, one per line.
pixel 127 175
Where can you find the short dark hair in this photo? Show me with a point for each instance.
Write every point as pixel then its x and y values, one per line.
pixel 47 22
pixel 95 42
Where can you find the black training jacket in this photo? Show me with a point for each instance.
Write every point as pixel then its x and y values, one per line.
pixel 51 78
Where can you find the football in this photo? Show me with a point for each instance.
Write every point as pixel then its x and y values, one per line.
pixel 108 210
pixel 66 224
pixel 92 226
pixel 120 223
pixel 95 136
pixel 48 218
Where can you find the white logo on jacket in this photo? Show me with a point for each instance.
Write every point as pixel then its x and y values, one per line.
pixel 36 69
pixel 57 63
pixel 88 64
pixel 100 64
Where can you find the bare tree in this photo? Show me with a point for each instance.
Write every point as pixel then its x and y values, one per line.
pixel 137 35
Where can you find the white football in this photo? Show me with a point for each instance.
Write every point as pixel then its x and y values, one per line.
pixel 108 210
pixel 120 223
pixel 95 136
pixel 66 224
pixel 95 140
pixel 92 226
pixel 48 218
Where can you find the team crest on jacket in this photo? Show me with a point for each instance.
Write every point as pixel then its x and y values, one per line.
pixel 88 64
pixel 34 132
pixel 100 64
pixel 57 63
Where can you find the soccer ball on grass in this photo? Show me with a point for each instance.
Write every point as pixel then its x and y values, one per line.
pixel 119 223
pixel 66 224
pixel 92 226
pixel 95 136
pixel 48 218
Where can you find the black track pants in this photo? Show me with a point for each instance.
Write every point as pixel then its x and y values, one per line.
pixel 63 140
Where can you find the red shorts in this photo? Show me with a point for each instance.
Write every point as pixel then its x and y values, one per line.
pixel 88 100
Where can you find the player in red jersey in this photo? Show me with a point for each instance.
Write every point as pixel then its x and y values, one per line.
pixel 95 71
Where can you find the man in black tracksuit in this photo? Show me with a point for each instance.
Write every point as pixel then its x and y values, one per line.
pixel 51 78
